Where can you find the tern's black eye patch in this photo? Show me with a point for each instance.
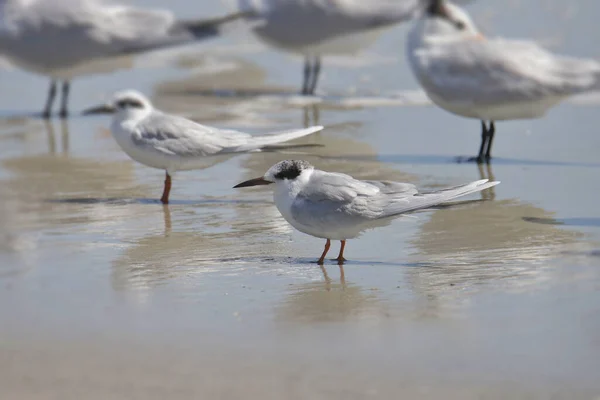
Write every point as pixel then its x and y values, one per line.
pixel 460 25
pixel 290 169
pixel 125 103
pixel 290 172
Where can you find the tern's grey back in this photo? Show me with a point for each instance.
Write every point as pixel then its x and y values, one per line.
pixel 185 138
pixel 300 23
pixel 337 206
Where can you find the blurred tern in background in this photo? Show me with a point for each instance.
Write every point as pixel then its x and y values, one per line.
pixel 172 143
pixel 64 39
pixel 314 28
pixel 335 206
pixel 490 79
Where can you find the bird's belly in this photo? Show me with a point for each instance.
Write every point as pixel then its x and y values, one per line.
pixel 499 111
pixel 341 45
pixel 201 162
pixel 92 67
pixel 145 155
pixel 329 228
pixel 322 38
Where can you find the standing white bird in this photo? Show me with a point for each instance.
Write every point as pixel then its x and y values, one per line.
pixel 336 206
pixel 315 28
pixel 65 39
pixel 490 79
pixel 172 143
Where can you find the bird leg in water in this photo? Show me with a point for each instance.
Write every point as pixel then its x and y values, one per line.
pixel 486 144
pixel 315 75
pixel 65 99
pixel 312 69
pixel 322 259
pixel 340 259
pixel 49 100
pixel 165 196
pixel 307 70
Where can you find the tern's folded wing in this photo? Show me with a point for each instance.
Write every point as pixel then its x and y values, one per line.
pixel 336 199
pixel 179 136
pixel 491 71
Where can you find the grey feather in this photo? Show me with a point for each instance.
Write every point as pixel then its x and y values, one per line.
pixel 179 136
pixel 483 71
pixel 341 202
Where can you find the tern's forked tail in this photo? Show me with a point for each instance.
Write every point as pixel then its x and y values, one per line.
pixel 425 200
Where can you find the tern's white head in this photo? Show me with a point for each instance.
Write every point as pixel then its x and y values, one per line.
pixel 442 18
pixel 125 105
pixel 288 174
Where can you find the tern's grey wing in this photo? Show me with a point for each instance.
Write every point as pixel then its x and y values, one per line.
pixel 394 188
pixel 179 136
pixel 335 187
pixel 320 207
pixel 487 71
pixel 338 201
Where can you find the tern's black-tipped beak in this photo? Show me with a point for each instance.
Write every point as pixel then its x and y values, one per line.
pixel 437 8
pixel 253 182
pixel 103 109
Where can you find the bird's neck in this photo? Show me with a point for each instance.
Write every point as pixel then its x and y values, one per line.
pixel 427 31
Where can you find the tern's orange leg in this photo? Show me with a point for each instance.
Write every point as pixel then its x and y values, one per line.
pixel 341 258
pixel 322 259
pixel 165 196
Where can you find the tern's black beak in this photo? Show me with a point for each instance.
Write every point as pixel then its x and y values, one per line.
pixel 103 109
pixel 253 182
pixel 437 8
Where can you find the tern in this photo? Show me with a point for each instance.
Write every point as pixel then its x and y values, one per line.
pixel 490 79
pixel 65 39
pixel 336 206
pixel 173 143
pixel 315 28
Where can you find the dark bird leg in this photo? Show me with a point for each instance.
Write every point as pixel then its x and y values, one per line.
pixel 167 189
pixel 340 259
pixel 482 148
pixel 322 259
pixel 316 70
pixel 65 99
pixel 307 71
pixel 491 132
pixel 49 100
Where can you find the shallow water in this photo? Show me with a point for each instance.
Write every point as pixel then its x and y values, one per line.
pixel 105 293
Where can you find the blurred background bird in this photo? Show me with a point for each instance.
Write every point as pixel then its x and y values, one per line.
pixel 66 39
pixel 490 79
pixel 317 28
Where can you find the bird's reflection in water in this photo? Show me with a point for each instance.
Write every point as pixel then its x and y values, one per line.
pixel 167 219
pixel 485 172
pixel 188 241
pixel 64 130
pixel 327 301
pixel 481 244
pixel 311 115
pixel 328 279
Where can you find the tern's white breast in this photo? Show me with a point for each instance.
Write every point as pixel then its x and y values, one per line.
pixel 127 136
